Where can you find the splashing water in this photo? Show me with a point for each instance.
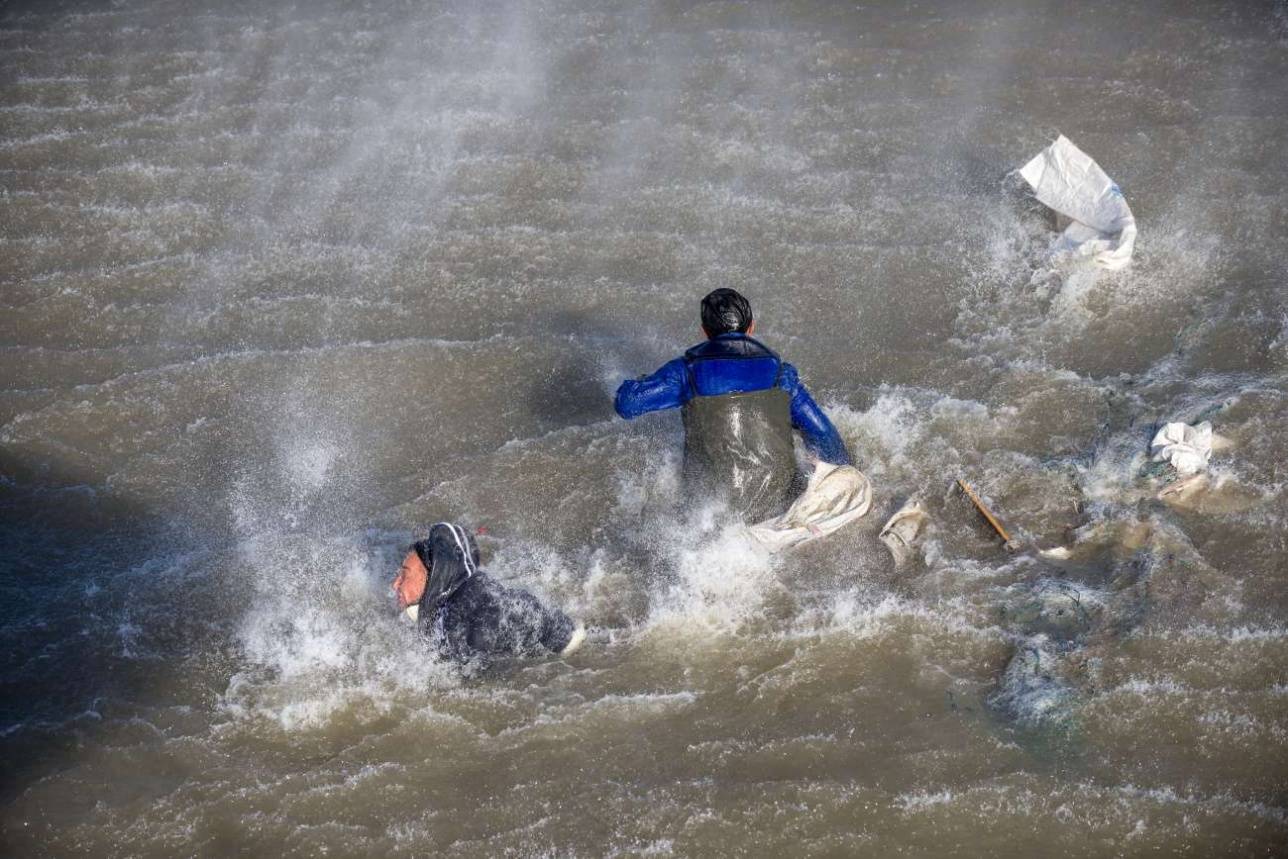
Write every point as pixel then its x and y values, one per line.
pixel 282 286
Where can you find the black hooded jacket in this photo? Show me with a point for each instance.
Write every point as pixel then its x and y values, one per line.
pixel 466 614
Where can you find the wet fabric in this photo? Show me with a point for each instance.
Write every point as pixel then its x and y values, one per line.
pixel 835 496
pixel 451 556
pixel 902 530
pixel 466 614
pixel 483 618
pixel 733 363
pixel 1067 180
pixel 738 447
pixel 730 364
pixel 1187 448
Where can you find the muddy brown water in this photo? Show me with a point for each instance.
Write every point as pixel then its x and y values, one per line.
pixel 281 284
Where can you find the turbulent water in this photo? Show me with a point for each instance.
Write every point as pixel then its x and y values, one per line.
pixel 283 284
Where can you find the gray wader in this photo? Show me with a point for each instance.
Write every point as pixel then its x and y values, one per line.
pixel 739 447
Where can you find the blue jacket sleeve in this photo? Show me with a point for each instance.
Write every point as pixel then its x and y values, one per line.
pixel 665 389
pixel 816 430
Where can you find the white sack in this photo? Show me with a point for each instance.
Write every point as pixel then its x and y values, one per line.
pixel 902 530
pixel 836 496
pixel 1067 180
pixel 1187 448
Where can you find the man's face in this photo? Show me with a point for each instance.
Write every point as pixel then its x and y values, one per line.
pixel 410 584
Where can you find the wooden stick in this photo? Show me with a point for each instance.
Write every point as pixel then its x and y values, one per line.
pixel 984 511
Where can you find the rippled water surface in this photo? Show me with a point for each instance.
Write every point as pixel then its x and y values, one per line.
pixel 282 283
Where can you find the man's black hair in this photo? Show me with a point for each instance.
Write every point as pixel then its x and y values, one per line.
pixel 725 310
pixel 451 556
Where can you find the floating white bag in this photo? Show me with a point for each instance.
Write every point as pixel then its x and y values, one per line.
pixel 900 533
pixel 1067 180
pixel 836 496
pixel 1187 448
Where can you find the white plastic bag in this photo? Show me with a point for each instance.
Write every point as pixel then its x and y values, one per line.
pixel 836 496
pixel 901 531
pixel 1067 180
pixel 1187 448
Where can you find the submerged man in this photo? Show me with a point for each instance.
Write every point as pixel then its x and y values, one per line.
pixel 740 403
pixel 466 614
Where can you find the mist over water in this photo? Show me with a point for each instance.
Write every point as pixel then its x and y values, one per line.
pixel 283 284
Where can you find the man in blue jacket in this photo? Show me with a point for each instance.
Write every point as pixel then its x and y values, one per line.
pixel 740 403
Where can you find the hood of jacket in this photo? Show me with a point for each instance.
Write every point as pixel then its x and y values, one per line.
pixel 452 558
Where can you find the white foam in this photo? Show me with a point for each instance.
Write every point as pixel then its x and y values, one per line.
pixel 1228 635
pixel 862 613
pixel 322 635
pixel 721 575
pixel 1150 688
pixel 918 801
pixel 615 707
pixel 309 462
